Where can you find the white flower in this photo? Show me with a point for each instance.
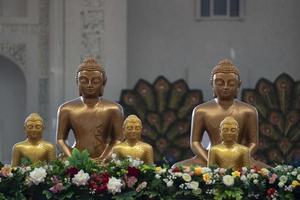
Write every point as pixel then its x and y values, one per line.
pixel 170 183
pixel 178 174
pixel 38 175
pixel 186 177
pixel 194 185
pixel 298 177
pixel 255 181
pixel 134 162
pixel 294 173
pixel 113 156
pixel 243 178
pixel 280 184
pixel 66 163
pixel 114 185
pixel 206 170
pixel 228 180
pixel 80 178
pixel 244 169
pixel 283 179
pixel 157 176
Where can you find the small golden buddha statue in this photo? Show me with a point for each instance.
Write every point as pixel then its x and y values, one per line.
pixel 229 154
pixel 133 146
pixel 96 122
pixel 34 147
pixel 206 117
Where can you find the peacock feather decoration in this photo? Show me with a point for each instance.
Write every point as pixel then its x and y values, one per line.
pixel 278 105
pixel 165 109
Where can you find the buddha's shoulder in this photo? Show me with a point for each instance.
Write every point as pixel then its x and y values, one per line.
pixel 69 105
pixel 145 145
pixel 205 107
pixel 216 147
pixel 111 104
pixel 47 145
pixel 20 145
pixel 242 147
pixel 245 106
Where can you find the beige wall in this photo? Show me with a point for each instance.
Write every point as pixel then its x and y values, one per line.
pixel 165 39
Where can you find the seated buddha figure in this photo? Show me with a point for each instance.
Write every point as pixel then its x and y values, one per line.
pixel 34 147
pixel 133 146
pixel 229 154
pixel 206 117
pixel 95 122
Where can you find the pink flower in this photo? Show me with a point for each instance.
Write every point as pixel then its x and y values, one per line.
pixel 57 188
pixel 130 181
pixel 141 186
pixel 273 178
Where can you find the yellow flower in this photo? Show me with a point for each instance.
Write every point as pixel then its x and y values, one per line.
pixel 158 170
pixel 198 171
pixel 264 171
pixel 206 177
pixel 295 183
pixel 236 174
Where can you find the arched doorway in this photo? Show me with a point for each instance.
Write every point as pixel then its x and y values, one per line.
pixel 12 107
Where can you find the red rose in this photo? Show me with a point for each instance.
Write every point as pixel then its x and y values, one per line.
pixel 132 171
pixel 72 171
pixel 271 191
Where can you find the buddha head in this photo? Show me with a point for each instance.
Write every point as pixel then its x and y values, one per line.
pixel 229 129
pixel 34 126
pixel 225 80
pixel 91 78
pixel 132 127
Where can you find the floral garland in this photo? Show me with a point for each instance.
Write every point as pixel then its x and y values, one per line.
pixel 81 178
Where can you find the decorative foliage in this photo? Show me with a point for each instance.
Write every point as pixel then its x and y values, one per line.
pixel 130 179
pixel 278 105
pixel 165 109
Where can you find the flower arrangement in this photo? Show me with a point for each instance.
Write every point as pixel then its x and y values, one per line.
pixel 81 178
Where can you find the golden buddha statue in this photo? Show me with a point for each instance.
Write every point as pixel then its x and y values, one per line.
pixel 34 147
pixel 133 146
pixel 229 154
pixel 206 117
pixel 96 122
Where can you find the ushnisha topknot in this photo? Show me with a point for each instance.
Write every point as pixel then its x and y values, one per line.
pixel 34 117
pixel 90 64
pixel 132 118
pixel 229 120
pixel 224 66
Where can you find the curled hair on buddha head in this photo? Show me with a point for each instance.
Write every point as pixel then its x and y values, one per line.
pixel 34 117
pixel 131 118
pixel 90 64
pixel 224 66
pixel 229 120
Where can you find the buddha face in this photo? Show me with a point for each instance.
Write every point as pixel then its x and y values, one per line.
pixel 90 83
pixel 132 130
pixel 229 132
pixel 34 129
pixel 225 85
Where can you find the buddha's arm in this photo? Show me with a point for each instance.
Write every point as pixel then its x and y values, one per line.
pixel 246 158
pixel 51 153
pixel 197 130
pixel 252 127
pixel 16 157
pixel 211 158
pixel 62 130
pixel 116 133
pixel 149 155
